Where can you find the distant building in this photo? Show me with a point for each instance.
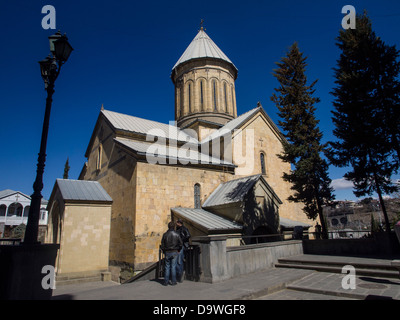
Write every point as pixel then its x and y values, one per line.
pixel 14 210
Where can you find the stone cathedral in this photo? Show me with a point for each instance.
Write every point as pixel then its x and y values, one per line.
pixel 217 171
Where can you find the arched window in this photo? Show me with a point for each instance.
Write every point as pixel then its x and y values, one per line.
pixel 15 209
pixel 190 97
pixel 201 96
pixel 99 156
pixel 215 95
pixel 26 211
pixel 226 98
pixel 197 202
pixel 262 162
pixel 233 100
pixel 3 209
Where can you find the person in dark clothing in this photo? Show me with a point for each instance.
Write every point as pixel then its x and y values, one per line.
pixel 185 236
pixel 171 244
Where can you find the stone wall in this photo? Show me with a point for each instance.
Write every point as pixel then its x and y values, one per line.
pixel 85 238
pixel 160 188
pixel 219 262
pixel 267 141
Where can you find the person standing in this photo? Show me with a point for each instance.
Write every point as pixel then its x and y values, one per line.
pixel 171 244
pixel 185 236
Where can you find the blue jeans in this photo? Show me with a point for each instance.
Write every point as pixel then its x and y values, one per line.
pixel 171 258
pixel 180 266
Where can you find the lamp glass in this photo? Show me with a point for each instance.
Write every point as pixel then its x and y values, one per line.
pixel 62 49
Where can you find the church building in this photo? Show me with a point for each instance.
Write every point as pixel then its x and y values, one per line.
pixel 216 170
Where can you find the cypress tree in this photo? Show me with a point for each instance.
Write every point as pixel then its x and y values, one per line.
pixel 66 169
pixel 303 149
pixel 366 115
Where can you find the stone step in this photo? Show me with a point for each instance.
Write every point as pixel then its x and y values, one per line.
pixel 358 262
pixel 374 272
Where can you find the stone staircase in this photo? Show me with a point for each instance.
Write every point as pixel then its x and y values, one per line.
pixel 381 268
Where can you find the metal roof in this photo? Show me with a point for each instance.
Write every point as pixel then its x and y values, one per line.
pixel 147 127
pixel 231 192
pixel 184 155
pixel 82 190
pixel 207 220
pixel 231 125
pixel 202 47
pixel 6 193
pixel 288 223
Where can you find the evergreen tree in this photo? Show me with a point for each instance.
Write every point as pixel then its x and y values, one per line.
pixel 303 149
pixel 366 115
pixel 66 169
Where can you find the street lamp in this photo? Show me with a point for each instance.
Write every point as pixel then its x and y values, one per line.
pixel 50 69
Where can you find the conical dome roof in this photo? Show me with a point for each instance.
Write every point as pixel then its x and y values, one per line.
pixel 202 47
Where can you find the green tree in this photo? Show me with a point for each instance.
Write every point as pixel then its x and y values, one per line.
pixel 364 112
pixel 66 169
pixel 303 149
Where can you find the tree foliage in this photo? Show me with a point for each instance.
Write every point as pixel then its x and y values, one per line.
pixel 366 115
pixel 296 104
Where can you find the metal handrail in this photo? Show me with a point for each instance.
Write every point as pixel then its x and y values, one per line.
pixel 10 241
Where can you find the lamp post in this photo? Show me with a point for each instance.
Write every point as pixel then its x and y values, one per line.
pixel 50 69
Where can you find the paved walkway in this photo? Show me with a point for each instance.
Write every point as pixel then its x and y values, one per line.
pixel 245 287
pixel 270 284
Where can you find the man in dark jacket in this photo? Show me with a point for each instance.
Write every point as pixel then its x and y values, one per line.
pixel 185 236
pixel 171 244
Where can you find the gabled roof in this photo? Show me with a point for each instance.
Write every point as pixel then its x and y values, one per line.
pixel 231 125
pixel 170 152
pixel 82 190
pixel 127 123
pixel 207 221
pixel 202 47
pixel 234 191
pixel 8 192
pixel 238 122
pixel 143 126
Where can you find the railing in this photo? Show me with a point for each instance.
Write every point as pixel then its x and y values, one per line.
pixel 292 235
pixel 10 241
pixel 192 263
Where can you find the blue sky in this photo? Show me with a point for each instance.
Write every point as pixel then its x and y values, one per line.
pixel 124 52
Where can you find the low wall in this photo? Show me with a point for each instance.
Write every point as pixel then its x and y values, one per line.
pixel 381 244
pixel 219 262
pixel 247 259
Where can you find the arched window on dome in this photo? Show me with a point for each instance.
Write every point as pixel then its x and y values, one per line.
pixel 214 83
pixel 201 95
pixel 226 98
pixel 190 97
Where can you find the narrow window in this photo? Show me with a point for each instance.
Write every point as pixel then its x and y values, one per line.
pixel 201 95
pixel 233 101
pixel 226 99
pixel 262 160
pixel 197 203
pixel 215 95
pixel 99 154
pixel 189 97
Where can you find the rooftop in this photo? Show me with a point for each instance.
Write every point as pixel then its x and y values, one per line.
pixel 202 47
